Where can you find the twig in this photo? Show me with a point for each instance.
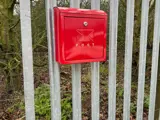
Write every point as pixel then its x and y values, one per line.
pixel 4 15
pixel 14 25
pixel 21 118
pixel 6 100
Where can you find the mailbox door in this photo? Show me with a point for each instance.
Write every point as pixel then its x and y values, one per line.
pixel 84 39
pixel 80 37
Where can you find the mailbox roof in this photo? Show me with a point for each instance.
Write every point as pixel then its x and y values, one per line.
pixel 80 11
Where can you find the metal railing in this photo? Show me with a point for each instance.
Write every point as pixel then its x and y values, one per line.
pixel 54 70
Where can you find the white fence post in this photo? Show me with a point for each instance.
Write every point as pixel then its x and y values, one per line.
pixel 95 4
pixel 128 59
pixel 27 56
pixel 76 80
pixel 112 58
pixel 142 58
pixel 155 53
pixel 76 92
pixel 54 72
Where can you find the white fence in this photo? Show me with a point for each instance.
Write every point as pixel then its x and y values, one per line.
pixel 95 75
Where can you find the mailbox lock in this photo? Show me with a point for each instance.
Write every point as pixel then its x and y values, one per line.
pixel 85 24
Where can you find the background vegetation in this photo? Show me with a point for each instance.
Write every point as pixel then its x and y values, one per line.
pixel 11 82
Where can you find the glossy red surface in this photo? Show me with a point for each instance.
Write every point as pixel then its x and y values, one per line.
pixel 80 35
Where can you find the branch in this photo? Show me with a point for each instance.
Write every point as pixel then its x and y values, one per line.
pixel 124 3
pixel 11 6
pixel 2 63
pixel 151 6
pixel 151 2
pixel 14 25
pixel 40 40
pixel 41 65
pixel 21 118
pixel 4 14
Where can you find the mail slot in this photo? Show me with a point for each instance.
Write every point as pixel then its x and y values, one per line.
pixel 80 35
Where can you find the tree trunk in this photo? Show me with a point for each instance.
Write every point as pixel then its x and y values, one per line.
pixel 7 42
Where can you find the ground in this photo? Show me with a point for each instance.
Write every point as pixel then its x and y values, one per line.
pixel 10 105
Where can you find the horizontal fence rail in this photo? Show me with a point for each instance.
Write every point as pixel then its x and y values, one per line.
pixel 54 68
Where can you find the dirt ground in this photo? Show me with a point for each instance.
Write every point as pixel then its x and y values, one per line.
pixel 41 76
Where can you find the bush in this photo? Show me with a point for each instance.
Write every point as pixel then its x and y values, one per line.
pixel 42 104
pixel 43 107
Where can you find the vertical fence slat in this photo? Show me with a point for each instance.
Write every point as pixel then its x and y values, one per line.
pixel 155 53
pixel 76 80
pixel 75 3
pixel 112 58
pixel 95 91
pixel 27 56
pixel 54 72
pixel 95 4
pixel 76 91
pixel 128 59
pixel 142 58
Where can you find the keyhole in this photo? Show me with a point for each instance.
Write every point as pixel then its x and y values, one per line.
pixel 85 24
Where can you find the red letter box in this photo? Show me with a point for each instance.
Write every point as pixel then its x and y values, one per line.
pixel 80 35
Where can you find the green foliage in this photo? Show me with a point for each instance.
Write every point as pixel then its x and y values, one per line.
pixel 146 101
pixel 63 3
pixel 121 25
pixel 19 106
pixel 133 108
pixel 146 104
pixel 120 92
pixel 105 5
pixel 39 26
pixel 43 107
pixel 85 4
pixel 66 108
pixel 42 102
pixel 10 57
pixel 103 69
